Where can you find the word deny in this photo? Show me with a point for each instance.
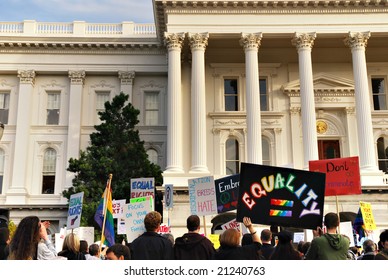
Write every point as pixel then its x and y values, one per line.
pixel 271 183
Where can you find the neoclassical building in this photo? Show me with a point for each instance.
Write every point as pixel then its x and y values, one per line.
pixel 217 83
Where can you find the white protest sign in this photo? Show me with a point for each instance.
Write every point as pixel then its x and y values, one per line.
pixel 121 225
pixel 118 208
pixel 231 224
pixel 142 187
pixel 347 229
pixel 75 210
pixel 202 195
pixel 168 196
pixel 134 214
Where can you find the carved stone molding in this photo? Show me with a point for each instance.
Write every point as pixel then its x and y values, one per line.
pixel 295 110
pixel 77 77
pixel 126 77
pixel 173 40
pixel 350 110
pixel 198 41
pixel 357 40
pixel 303 40
pixel 26 76
pixel 251 40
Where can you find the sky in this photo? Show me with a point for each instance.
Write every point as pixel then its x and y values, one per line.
pixel 92 11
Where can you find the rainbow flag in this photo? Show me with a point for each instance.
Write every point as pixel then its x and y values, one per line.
pixel 105 209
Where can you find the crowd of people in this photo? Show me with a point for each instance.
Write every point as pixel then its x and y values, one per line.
pixel 31 242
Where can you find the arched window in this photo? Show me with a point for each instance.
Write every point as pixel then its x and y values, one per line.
pixel 382 152
pixel 49 166
pixel 266 151
pixel 152 156
pixel 232 156
pixel 1 169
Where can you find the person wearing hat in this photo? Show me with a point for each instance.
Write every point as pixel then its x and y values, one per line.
pixel 285 250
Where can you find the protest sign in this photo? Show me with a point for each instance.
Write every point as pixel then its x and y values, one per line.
pixel 75 210
pixel 215 239
pixel 231 224
pixel 342 175
pixel 118 208
pixel 367 216
pixel 227 193
pixel 168 196
pixel 142 187
pixel 134 214
pixel 202 196
pixel 281 196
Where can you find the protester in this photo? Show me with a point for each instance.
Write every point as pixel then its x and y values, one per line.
pixel 94 253
pixel 266 239
pixel 84 248
pixel 305 247
pixel 369 250
pixel 285 250
pixel 151 245
pixel 118 252
pixel 329 246
pixel 46 249
pixel 4 243
pixel 383 246
pixel 170 237
pixel 192 245
pixel 71 248
pixel 230 248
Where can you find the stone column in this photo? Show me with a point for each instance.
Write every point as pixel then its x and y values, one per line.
pixel 126 83
pixel 17 192
pixel 357 42
pixel 351 122
pixel 74 123
pixel 174 103
pixel 297 146
pixel 251 44
pixel 304 43
pixel 198 43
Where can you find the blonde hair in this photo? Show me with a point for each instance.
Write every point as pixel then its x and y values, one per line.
pixel 71 243
pixel 230 238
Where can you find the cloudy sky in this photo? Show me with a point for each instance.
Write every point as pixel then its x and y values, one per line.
pixel 93 11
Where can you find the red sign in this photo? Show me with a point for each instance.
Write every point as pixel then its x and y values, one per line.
pixel 342 175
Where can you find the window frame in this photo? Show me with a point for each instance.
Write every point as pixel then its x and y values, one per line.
pixel 235 95
pixel 377 95
pixel 50 111
pixel 237 160
pixel 49 176
pixel 148 93
pixel 6 103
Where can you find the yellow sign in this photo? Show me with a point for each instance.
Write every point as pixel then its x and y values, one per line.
pixel 215 239
pixel 367 216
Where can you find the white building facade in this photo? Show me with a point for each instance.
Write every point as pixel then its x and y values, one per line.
pixel 217 83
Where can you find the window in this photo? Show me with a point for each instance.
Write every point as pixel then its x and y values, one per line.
pixel 1 170
pixel 265 151
pixel 53 106
pixel 231 94
pixel 4 107
pixel 263 95
pixel 152 156
pixel 49 166
pixel 232 157
pixel 382 152
pixel 379 94
pixel 151 108
pixel 101 98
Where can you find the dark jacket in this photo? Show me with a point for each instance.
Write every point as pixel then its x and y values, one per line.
pixel 267 250
pixel 151 246
pixel 248 252
pixel 193 246
pixel 71 255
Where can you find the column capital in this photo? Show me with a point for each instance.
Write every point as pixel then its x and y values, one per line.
pixel 357 40
pixel 303 40
pixel 251 40
pixel 126 77
pixel 77 76
pixel 174 41
pixel 350 110
pixel 295 110
pixel 198 40
pixel 26 76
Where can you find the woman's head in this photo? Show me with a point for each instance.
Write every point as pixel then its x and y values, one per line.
pixel 230 238
pixel 71 243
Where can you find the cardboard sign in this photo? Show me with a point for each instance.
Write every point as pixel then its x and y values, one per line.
pixel 231 224
pixel 281 196
pixel 227 193
pixel 142 187
pixel 75 210
pixel 168 196
pixel 118 208
pixel 202 196
pixel 134 214
pixel 215 239
pixel 367 216
pixel 342 175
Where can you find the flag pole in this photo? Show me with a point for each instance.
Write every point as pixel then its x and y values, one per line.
pixel 104 211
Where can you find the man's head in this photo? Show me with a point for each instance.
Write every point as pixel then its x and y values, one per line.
pixel 118 252
pixel 266 235
pixel 368 246
pixel 331 220
pixel 152 221
pixel 193 223
pixel 383 242
pixel 93 249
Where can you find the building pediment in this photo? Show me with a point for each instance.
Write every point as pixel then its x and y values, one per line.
pixel 324 85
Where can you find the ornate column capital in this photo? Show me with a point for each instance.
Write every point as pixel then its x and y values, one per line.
pixel 198 41
pixel 126 77
pixel 77 76
pixel 26 76
pixel 356 40
pixel 173 40
pixel 350 110
pixel 251 40
pixel 295 110
pixel 303 40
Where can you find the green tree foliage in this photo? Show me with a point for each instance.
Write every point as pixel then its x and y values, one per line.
pixel 115 149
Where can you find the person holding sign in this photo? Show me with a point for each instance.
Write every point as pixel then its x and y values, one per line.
pixel 230 244
pixel 383 246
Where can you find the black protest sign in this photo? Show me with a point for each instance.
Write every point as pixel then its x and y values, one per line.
pixel 227 193
pixel 281 196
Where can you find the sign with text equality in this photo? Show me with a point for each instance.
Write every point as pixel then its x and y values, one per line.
pixel 75 210
pixel 227 193
pixel 342 175
pixel 281 196
pixel 142 187
pixel 168 196
pixel 202 196
pixel 367 216
pixel 134 214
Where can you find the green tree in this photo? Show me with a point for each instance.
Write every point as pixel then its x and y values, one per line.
pixel 115 149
